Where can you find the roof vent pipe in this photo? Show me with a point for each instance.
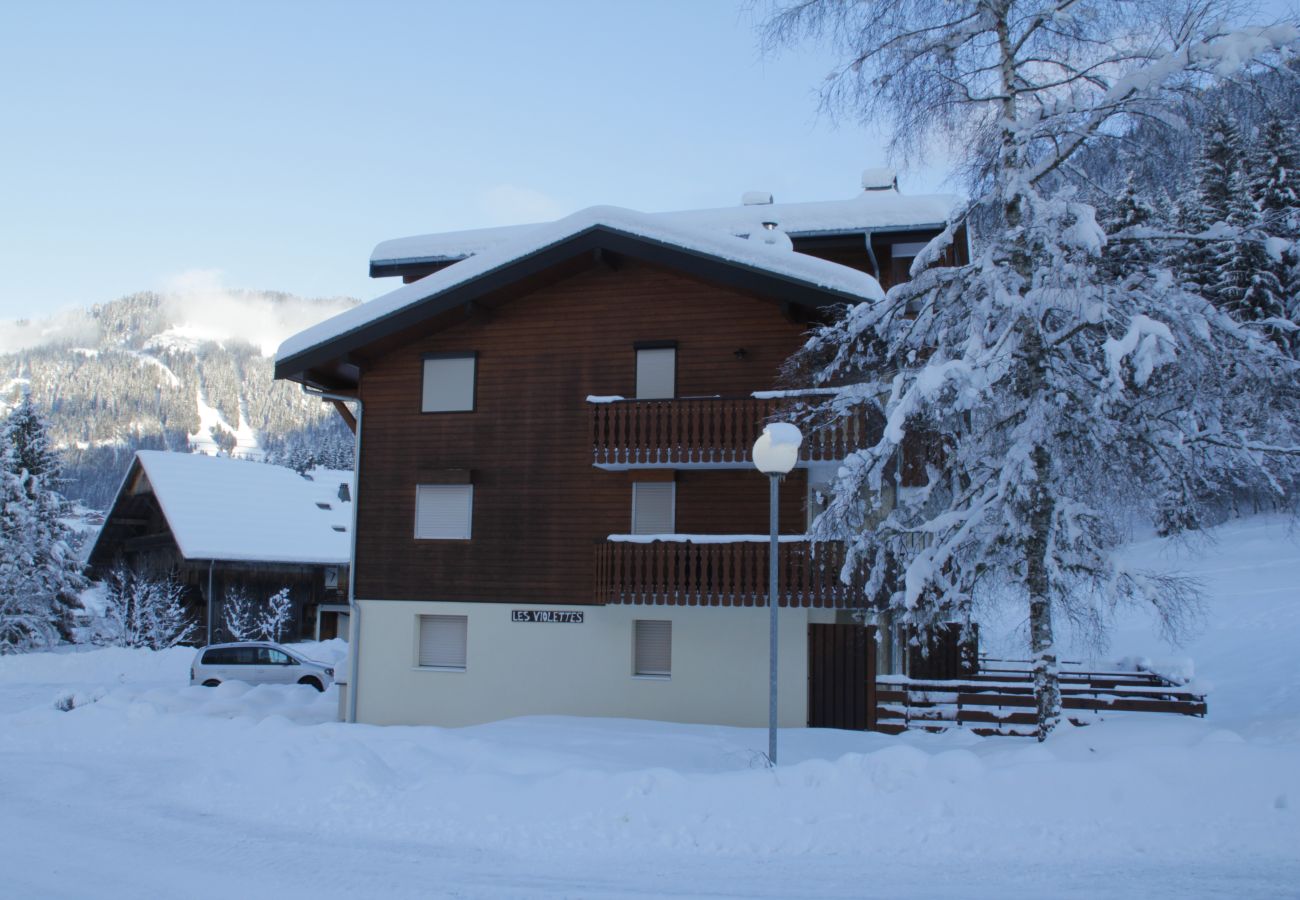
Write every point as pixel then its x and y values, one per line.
pixel 879 180
pixel 756 198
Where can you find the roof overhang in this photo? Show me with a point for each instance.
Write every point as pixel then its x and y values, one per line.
pixel 335 363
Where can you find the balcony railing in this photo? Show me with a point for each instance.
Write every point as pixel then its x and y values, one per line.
pixel 722 570
pixel 701 431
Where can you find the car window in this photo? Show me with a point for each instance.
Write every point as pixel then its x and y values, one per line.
pixel 244 656
pixel 216 658
pixel 280 659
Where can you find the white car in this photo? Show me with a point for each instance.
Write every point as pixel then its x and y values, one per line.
pixel 257 662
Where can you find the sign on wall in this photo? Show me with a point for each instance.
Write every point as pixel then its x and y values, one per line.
pixel 565 617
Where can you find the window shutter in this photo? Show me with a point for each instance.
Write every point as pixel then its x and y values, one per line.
pixel 448 383
pixel 653 654
pixel 656 373
pixel 652 507
pixel 442 641
pixel 443 511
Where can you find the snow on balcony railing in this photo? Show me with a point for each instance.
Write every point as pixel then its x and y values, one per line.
pixel 704 431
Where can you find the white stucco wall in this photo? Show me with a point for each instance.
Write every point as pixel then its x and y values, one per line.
pixel 719 666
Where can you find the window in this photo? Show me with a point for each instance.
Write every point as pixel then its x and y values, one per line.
pixel 443 511
pixel 448 382
pixel 653 507
pixel 652 652
pixel 442 642
pixel 656 372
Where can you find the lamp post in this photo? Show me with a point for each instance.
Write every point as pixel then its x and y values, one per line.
pixel 775 453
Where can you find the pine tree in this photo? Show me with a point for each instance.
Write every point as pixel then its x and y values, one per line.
pixel 1275 178
pixel 1129 212
pixel 28 432
pixel 27 617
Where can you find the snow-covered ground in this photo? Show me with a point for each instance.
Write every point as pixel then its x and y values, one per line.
pixel 148 787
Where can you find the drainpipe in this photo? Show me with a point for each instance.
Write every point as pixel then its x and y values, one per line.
pixel 871 254
pixel 354 611
pixel 211 563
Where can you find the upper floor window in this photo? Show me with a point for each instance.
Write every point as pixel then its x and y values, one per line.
pixel 654 507
pixel 656 370
pixel 448 382
pixel 443 511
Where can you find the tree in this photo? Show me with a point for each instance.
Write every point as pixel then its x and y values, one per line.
pixel 1059 399
pixel 49 574
pixel 238 615
pixel 274 620
pixel 27 618
pixel 143 611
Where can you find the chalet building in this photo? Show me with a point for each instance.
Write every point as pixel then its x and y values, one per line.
pixel 557 513
pixel 220 524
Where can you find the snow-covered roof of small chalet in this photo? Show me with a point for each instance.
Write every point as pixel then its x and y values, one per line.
pixel 839 283
pixel 874 210
pixel 233 509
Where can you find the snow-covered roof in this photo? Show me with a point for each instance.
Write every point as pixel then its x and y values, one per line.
pixel 233 509
pixel 871 209
pixel 704 240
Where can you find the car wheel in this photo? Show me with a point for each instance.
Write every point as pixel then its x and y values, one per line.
pixel 313 682
pixel 211 682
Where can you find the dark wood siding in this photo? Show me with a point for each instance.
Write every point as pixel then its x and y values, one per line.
pixel 540 506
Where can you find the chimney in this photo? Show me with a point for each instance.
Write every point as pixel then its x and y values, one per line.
pixel 879 180
pixel 756 198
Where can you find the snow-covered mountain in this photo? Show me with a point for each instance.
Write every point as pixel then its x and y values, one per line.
pixel 183 371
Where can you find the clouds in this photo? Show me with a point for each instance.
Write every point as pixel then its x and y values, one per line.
pixel 196 306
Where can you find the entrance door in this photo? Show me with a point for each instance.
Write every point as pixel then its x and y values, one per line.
pixel 842 677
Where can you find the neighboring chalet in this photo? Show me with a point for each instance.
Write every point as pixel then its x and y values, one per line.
pixel 556 510
pixel 219 524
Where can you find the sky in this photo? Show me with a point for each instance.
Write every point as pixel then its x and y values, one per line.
pixel 271 145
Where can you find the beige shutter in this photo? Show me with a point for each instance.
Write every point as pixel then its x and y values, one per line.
pixel 443 511
pixel 652 507
pixel 656 373
pixel 448 384
pixel 442 641
pixel 653 652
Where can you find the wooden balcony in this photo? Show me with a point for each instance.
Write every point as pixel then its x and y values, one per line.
pixel 715 432
pixel 722 570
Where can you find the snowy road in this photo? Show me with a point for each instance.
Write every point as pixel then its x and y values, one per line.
pixel 152 788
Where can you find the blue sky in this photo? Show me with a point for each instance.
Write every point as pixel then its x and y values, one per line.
pixel 275 143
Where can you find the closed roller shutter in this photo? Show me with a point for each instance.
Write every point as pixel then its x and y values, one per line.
pixel 442 641
pixel 443 511
pixel 652 507
pixel 653 654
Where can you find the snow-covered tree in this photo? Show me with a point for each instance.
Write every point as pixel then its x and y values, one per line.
pixel 1060 400
pixel 1275 177
pixel 34 532
pixel 27 617
pixel 144 611
pixel 273 621
pixel 239 615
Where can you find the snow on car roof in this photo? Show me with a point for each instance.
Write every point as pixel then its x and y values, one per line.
pixel 234 509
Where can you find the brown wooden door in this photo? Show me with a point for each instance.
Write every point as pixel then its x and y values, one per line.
pixel 842 677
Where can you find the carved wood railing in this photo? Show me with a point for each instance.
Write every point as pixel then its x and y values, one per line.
pixel 727 570
pixel 704 431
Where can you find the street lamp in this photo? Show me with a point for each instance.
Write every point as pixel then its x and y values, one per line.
pixel 775 453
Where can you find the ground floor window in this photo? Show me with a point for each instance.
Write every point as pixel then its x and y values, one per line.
pixel 652 652
pixel 442 642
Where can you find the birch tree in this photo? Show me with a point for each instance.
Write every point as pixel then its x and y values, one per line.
pixel 1055 399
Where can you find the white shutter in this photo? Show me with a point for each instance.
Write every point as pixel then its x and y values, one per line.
pixel 448 384
pixel 656 373
pixel 653 652
pixel 906 251
pixel 442 641
pixel 652 507
pixel 443 511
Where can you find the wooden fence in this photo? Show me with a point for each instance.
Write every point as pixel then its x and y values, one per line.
pixel 1000 699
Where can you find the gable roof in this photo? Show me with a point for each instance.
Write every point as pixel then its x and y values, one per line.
pixel 876 210
pixel 236 510
pixel 764 268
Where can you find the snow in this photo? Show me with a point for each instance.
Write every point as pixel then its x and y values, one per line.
pixel 877 210
pixel 233 509
pixel 850 283
pixel 246 446
pixel 147 784
pixel 705 538
pixel 783 434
